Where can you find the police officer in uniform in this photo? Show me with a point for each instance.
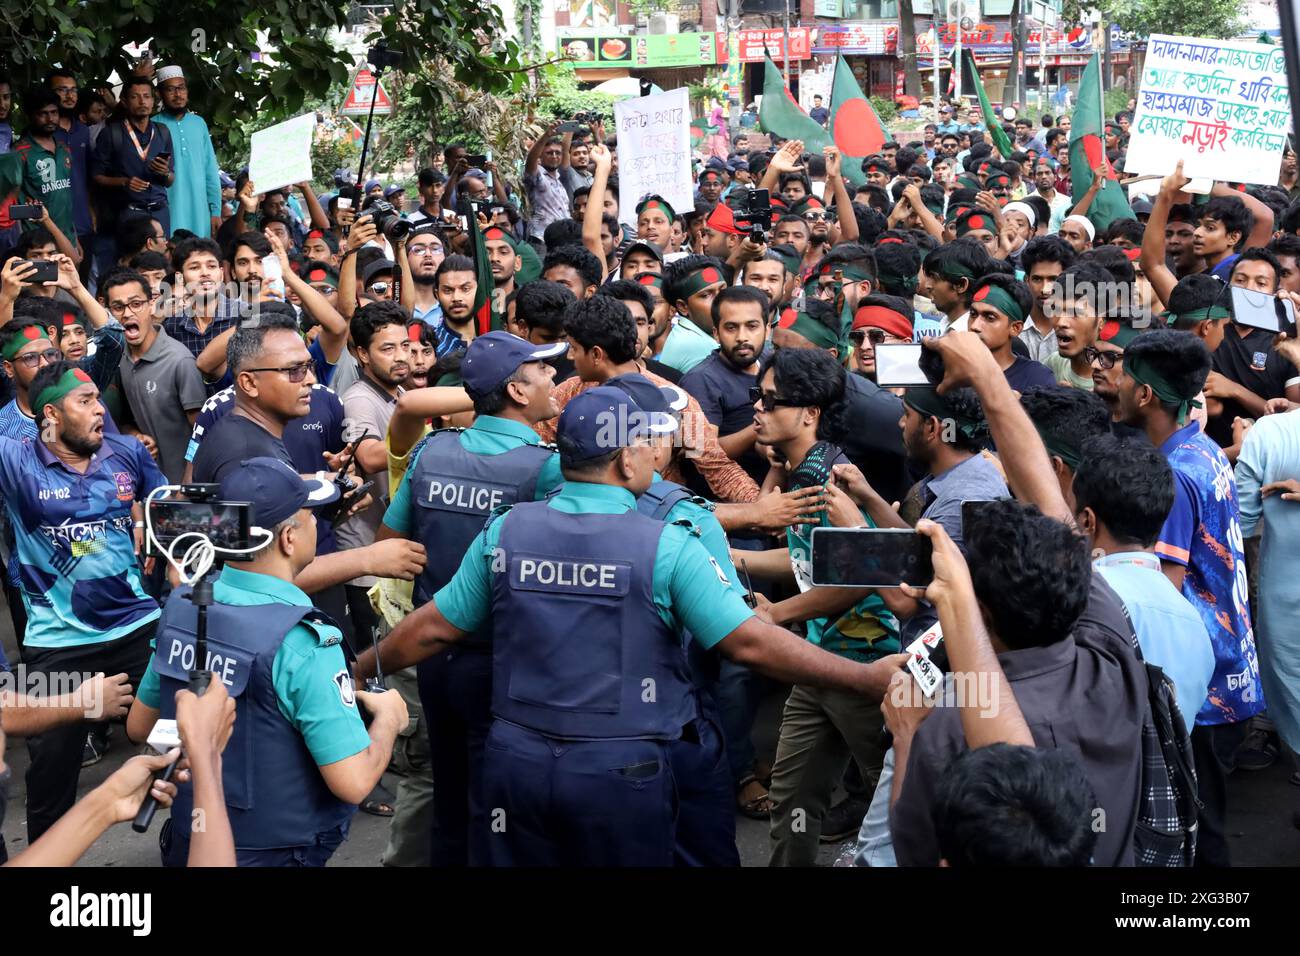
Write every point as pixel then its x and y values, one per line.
pixel 455 479
pixel 706 818
pixel 586 598
pixel 301 757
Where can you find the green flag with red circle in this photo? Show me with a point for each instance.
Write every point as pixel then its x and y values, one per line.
pixel 855 127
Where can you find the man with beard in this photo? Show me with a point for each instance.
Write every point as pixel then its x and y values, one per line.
pixel 721 382
pixel 68 497
pixel 422 354
pixel 382 348
pixel 505 263
pixel 457 286
pixel 204 311
pixel 767 274
pixel 75 137
pixel 194 197
pixel 425 251
pixel 132 161
pixel 793 231
pixel 879 320
pixel 159 377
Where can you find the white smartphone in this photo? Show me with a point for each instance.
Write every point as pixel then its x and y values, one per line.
pixel 898 365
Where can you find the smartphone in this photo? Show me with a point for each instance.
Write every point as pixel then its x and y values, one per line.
pixel 870 558
pixel 273 276
pixel 570 126
pixel 47 270
pixel 899 365
pixel 1259 310
pixel 225 523
pixel 340 505
pixel 25 211
pixel 165 156
pixel 477 160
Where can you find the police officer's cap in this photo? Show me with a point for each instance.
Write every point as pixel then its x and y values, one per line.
pixel 494 357
pixel 651 397
pixel 274 489
pixel 604 419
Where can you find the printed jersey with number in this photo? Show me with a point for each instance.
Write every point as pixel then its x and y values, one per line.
pixel 1203 533
pixel 74 540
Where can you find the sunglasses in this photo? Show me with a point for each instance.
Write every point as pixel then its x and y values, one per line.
pixel 874 336
pixel 769 402
pixel 295 373
pixel 32 359
pixel 379 288
pixel 1103 360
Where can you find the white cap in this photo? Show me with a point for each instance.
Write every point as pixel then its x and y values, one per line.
pixel 1025 210
pixel 165 73
pixel 1086 223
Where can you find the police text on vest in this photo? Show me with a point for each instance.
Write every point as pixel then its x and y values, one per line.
pixel 465 497
pixel 224 667
pixel 77 909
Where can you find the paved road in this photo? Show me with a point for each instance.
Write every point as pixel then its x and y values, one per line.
pixel 1261 806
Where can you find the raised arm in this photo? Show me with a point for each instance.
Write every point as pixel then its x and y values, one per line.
pixel 591 216
pixel 843 201
pixel 319 218
pixel 1152 259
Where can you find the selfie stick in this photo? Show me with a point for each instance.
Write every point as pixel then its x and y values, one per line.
pixel 370 118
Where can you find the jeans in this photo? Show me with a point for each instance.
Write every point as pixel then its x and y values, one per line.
pixel 875 842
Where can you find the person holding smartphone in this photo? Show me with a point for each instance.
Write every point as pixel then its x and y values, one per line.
pixel 133 157
pixel 46 161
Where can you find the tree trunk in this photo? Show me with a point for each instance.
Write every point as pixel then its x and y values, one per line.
pixel 1015 72
pixel 907 45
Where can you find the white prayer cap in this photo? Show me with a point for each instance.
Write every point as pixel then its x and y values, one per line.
pixel 165 73
pixel 1025 210
pixel 1086 223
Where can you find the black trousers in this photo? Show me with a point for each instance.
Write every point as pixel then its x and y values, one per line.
pixel 17 612
pixel 56 754
pixel 1213 749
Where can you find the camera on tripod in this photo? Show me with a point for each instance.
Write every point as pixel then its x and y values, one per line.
pixel 382 58
pixel 754 219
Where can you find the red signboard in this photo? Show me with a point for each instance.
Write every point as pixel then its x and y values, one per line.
pixel 755 44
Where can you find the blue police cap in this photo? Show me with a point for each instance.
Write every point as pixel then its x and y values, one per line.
pixel 604 419
pixel 393 190
pixel 494 357
pixel 667 399
pixel 226 181
pixel 274 490
pixel 372 183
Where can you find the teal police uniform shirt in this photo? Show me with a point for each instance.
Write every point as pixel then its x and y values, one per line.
pixel 489 435
pixel 691 590
pixel 699 513
pixel 306 670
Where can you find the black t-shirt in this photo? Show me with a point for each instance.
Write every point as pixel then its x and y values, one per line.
pixel 663 371
pixel 1025 373
pixel 723 393
pixel 1250 361
pixel 874 442
pixel 232 440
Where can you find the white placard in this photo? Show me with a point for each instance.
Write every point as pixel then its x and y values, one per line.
pixel 1221 106
pixel 654 151
pixel 280 155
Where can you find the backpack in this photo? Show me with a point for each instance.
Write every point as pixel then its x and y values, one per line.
pixel 1168 807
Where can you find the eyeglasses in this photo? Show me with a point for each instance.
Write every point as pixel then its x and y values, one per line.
pixel 65 89
pixel 874 336
pixel 132 305
pixel 426 250
pixel 295 373
pixel 769 401
pixel 33 359
pixel 1103 360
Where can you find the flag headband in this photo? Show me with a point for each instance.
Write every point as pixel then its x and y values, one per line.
pixel 698 281
pixel 928 402
pixel 73 378
pixel 801 323
pixel 30 334
pixel 1145 374
pixel 1001 300
pixel 1207 314
pixel 656 202
pixel 650 278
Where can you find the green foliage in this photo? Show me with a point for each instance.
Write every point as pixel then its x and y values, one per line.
pixel 885 107
pixel 329 153
pixel 559 97
pixel 214 41
pixel 1193 18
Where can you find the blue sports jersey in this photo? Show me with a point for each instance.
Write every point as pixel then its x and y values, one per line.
pixel 74 539
pixel 1203 533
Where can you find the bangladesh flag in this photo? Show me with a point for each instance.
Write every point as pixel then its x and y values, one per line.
pixel 781 116
pixel 1001 142
pixel 1088 151
pixel 486 315
pixel 855 126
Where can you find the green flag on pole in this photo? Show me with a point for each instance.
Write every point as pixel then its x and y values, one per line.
pixel 1088 152
pixel 1001 142
pixel 854 125
pixel 781 116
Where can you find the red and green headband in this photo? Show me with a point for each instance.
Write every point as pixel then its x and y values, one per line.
pixel 30 334
pixel 323 275
pixel 650 278
pixel 698 281
pixel 974 221
pixel 999 299
pixel 801 323
pixel 72 379
pixel 656 202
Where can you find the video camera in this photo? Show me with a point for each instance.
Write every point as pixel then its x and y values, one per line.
pixel 382 58
pixel 755 218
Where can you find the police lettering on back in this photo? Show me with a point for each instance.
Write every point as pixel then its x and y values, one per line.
pixel 464 497
pixel 536 574
pixel 182 652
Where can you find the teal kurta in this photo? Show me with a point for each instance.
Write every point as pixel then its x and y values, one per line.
pixel 195 197
pixel 1271 452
